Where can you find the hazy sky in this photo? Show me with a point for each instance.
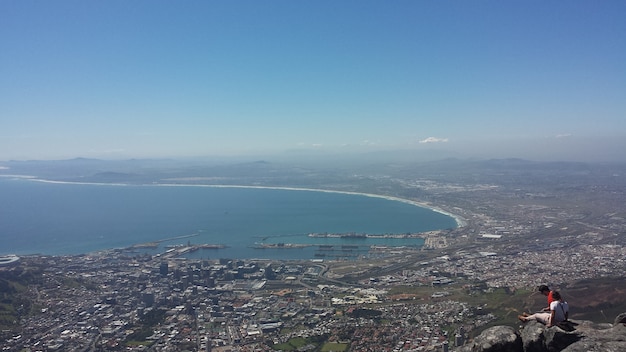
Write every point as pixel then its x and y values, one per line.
pixel 543 80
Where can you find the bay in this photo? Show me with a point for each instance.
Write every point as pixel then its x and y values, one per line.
pixel 70 218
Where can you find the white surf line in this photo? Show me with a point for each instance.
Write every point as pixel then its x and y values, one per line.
pixel 460 222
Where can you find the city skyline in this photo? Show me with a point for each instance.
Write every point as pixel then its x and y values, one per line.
pixel 145 79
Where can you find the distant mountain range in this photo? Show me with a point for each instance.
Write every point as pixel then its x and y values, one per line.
pixel 153 170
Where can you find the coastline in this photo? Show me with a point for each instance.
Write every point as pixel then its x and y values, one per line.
pixel 460 222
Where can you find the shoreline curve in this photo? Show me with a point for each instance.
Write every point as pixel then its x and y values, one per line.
pixel 460 222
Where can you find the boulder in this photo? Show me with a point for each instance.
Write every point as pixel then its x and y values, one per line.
pixel 556 339
pixel 533 336
pixel 608 340
pixel 495 339
pixel 595 346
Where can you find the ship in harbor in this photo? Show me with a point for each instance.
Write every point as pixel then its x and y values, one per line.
pixel 364 235
pixel 280 245
pixel 338 235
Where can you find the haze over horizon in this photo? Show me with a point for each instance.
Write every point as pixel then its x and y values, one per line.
pixel 160 79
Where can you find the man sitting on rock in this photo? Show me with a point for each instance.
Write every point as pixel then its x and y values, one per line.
pixel 559 311
pixel 545 290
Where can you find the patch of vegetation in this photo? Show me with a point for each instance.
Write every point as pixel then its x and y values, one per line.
pixel 153 317
pixel 599 300
pixel 300 343
pixel 335 347
pixel 148 322
pixel 14 302
pixel 290 345
pixel 416 290
pixel 7 315
pixel 365 313
pixel 139 343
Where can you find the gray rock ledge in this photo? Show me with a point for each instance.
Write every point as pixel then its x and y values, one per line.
pixel 536 337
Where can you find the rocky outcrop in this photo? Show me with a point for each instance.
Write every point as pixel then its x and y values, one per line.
pixel 620 319
pixel 536 337
pixel 497 338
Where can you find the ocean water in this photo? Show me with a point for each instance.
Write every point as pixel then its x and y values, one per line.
pixel 60 218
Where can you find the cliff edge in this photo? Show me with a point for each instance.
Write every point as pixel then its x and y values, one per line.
pixel 536 337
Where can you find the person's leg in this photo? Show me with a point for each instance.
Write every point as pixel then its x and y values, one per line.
pixel 540 317
pixel 543 318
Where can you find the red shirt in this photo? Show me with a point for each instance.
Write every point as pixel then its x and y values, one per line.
pixel 550 299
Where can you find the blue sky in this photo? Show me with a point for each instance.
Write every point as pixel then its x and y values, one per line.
pixel 542 80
